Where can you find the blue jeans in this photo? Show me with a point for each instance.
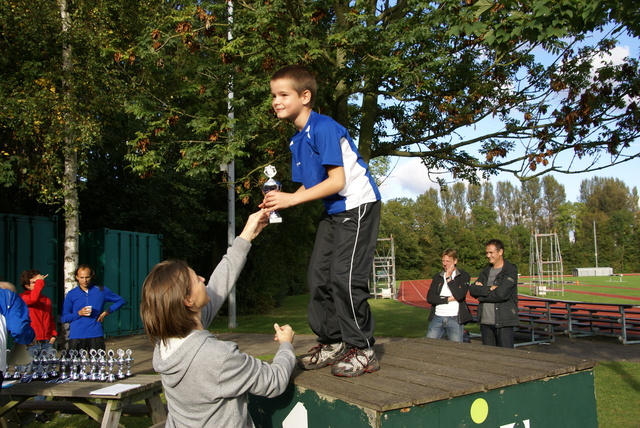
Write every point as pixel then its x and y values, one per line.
pixel 39 347
pixel 449 325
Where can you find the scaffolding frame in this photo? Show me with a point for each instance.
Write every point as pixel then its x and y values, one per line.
pixel 545 264
pixel 383 275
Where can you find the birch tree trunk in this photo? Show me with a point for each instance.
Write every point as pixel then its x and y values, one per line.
pixel 69 180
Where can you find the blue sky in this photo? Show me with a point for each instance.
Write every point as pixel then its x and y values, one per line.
pixel 409 178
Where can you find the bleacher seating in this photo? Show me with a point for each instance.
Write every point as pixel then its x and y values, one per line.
pixel 541 319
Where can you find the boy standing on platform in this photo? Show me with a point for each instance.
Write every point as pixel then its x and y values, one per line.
pixel 326 162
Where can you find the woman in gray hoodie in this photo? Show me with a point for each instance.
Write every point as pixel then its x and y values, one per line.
pixel 206 381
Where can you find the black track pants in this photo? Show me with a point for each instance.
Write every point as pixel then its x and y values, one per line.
pixel 339 273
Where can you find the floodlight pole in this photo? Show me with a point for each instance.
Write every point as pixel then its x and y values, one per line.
pixel 595 241
pixel 231 196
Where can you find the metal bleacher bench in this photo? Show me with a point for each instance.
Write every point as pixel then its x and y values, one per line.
pixel 541 319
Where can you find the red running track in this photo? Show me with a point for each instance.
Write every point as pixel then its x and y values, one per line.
pixel 414 293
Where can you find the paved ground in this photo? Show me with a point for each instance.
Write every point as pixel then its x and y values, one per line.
pixel 589 348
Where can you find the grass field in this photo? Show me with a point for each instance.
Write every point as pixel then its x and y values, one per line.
pixel 594 289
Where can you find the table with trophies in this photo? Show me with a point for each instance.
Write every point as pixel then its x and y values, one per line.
pixel 84 378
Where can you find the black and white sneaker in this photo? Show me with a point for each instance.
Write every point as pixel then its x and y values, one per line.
pixel 322 355
pixel 356 362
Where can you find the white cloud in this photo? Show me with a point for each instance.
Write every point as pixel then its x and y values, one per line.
pixel 616 56
pixel 409 179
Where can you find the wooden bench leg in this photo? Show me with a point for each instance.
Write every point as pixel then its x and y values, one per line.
pixel 157 409
pixel 10 417
pixel 90 410
pixel 112 413
pixel 10 420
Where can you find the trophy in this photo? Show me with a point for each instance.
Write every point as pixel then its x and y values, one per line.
pixel 64 363
pixel 84 363
pixel 36 365
pixel 74 373
pixel 120 363
pixel 102 363
pixel 129 362
pixel 93 360
pixel 54 363
pixel 43 367
pixel 269 185
pixel 111 361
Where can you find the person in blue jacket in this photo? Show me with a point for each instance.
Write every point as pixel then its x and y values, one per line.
pixel 83 309
pixel 14 317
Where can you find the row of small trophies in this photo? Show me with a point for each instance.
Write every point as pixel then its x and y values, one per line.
pixel 95 365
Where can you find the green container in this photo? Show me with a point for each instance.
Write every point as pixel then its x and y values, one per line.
pixel 121 261
pixel 28 242
pixel 563 401
pixel 432 383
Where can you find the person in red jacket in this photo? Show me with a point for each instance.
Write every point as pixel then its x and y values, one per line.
pixel 40 310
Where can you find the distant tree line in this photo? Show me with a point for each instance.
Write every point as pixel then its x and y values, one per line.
pixel 464 217
pixel 191 214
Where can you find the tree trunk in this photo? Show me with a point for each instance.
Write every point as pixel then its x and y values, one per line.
pixel 69 180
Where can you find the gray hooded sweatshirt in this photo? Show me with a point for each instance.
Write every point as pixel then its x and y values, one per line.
pixel 206 381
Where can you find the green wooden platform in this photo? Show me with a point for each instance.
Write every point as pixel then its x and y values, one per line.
pixel 437 383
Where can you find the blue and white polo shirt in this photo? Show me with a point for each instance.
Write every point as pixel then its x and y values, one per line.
pixel 324 142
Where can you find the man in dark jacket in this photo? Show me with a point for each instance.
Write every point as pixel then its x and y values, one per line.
pixel 447 294
pixel 497 291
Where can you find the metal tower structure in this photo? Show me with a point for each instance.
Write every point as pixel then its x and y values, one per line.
pixel 383 276
pixel 545 264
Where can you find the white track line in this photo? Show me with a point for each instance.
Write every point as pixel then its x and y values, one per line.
pixel 422 292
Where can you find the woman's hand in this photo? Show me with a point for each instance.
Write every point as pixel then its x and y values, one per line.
pixel 255 223
pixel 284 333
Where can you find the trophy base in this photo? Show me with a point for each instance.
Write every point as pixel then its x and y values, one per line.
pixel 275 219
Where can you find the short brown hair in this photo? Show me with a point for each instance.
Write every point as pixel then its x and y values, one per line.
pixel 162 309
pixel 301 77
pixel 496 243
pixel 25 276
pixel 449 252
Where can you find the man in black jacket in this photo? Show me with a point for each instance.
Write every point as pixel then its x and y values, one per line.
pixel 497 291
pixel 447 294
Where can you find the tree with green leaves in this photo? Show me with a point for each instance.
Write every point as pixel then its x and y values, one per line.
pixel 531 194
pixel 52 87
pixel 410 79
pixel 398 218
pixel 610 210
pixel 471 88
pixel 553 197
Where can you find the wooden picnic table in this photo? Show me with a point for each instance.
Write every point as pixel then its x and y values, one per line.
pixel 148 388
